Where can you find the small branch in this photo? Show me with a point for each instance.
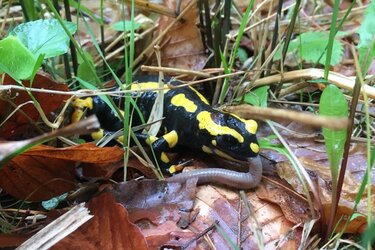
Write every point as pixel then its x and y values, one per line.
pixel 157 8
pixel 249 112
pixel 174 71
pixel 309 74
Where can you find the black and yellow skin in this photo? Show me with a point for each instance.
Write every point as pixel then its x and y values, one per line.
pixel 189 122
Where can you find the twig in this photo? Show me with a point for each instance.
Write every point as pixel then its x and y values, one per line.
pixel 175 71
pixel 247 112
pixel 157 8
pixel 309 74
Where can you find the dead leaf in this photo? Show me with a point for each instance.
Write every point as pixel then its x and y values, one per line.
pixel 44 172
pixel 12 240
pixel 182 46
pixel 225 206
pixel 21 121
pixel 313 157
pixel 109 229
pixel 320 173
pixel 106 171
pixel 111 14
pixel 158 207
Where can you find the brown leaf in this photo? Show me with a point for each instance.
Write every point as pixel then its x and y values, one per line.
pixel 12 240
pixel 313 157
pixel 158 207
pixel 44 172
pixel 109 229
pixel 106 171
pixel 20 121
pixel 294 208
pixel 224 206
pixel 182 46
pixel 321 175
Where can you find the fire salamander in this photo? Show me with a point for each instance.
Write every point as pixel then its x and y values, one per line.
pixel 189 122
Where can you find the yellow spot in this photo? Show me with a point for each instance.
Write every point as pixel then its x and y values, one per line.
pixel 164 157
pixel 180 100
pixel 206 122
pixel 146 86
pixel 97 135
pixel 171 138
pixel 207 150
pixel 121 138
pixel 151 139
pixel 236 116
pixel 214 142
pixel 77 115
pixel 222 154
pixel 254 147
pixel 203 99
pixel 83 103
pixel 172 169
pixel 251 126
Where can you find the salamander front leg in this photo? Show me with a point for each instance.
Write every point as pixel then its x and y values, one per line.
pixel 160 146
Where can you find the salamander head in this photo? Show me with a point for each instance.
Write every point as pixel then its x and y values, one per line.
pixel 234 137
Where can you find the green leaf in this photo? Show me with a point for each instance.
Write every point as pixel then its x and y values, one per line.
pixel 310 46
pixel 242 55
pixel 84 71
pixel 45 36
pixel 366 43
pixel 125 26
pixel 369 236
pixel 333 103
pixel 38 63
pixel 257 97
pixel 268 143
pixel 16 59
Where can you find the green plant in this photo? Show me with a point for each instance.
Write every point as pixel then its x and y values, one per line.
pixel 30 43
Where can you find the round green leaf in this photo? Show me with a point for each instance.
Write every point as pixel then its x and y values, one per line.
pixel 45 36
pixel 16 59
